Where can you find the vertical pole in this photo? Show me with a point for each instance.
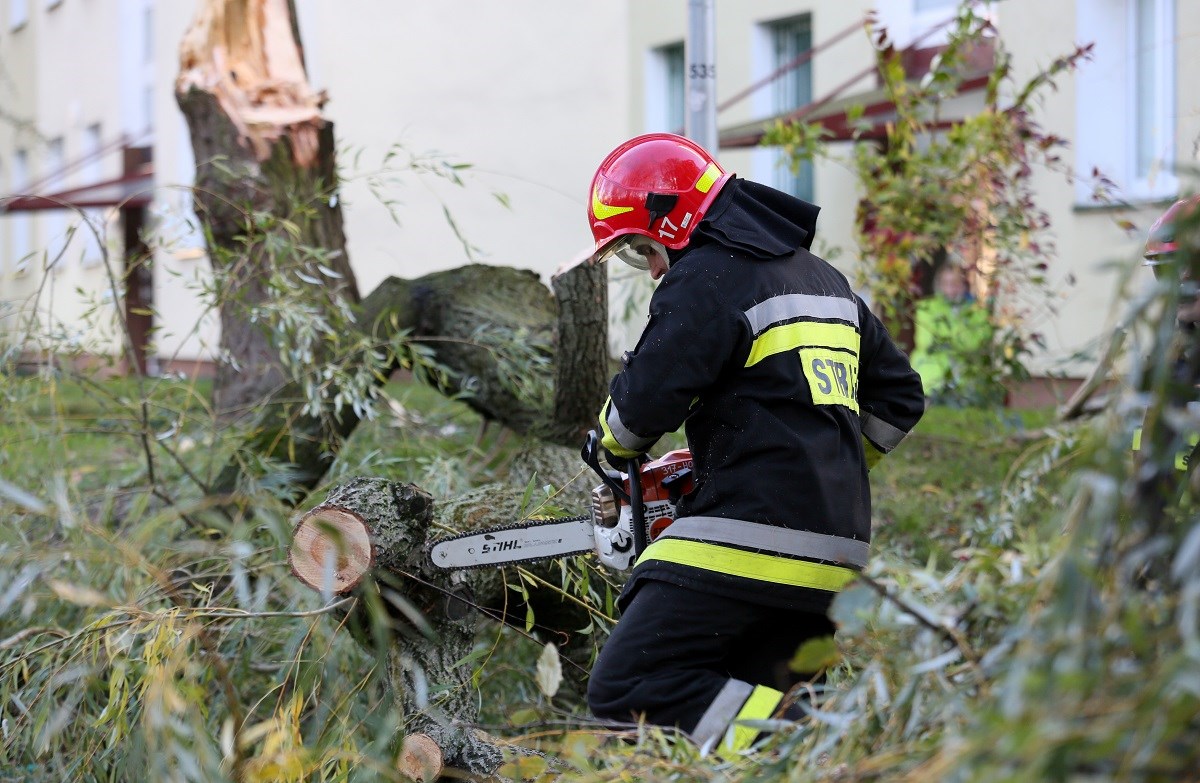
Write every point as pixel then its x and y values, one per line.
pixel 700 56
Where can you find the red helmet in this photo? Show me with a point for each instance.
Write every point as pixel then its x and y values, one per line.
pixel 658 185
pixel 1160 243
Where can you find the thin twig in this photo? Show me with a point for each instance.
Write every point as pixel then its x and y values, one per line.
pixel 27 633
pixel 941 630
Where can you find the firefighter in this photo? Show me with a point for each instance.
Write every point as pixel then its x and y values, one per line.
pixel 1161 252
pixel 789 388
pixel 1161 485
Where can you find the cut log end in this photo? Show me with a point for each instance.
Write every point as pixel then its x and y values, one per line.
pixel 331 549
pixel 420 758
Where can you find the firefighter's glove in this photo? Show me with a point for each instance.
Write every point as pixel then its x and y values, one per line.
pixel 612 460
pixel 622 464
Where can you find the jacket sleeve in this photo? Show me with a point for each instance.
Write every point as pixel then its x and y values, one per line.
pixel 890 397
pixel 691 337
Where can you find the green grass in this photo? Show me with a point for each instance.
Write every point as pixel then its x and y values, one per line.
pixel 421 437
pixel 89 433
pixel 946 474
pixel 935 494
pixel 949 475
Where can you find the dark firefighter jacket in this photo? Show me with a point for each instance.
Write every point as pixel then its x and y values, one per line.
pixel 788 385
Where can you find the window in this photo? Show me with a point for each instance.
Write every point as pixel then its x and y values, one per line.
pixel 55 220
pixel 1152 55
pixel 18 13
pixel 148 108
pixel 665 89
pixel 91 171
pixel 148 35
pixel 19 224
pixel 924 23
pixel 1125 108
pixel 791 38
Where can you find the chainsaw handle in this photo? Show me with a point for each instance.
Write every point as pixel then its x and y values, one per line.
pixel 637 509
pixel 591 458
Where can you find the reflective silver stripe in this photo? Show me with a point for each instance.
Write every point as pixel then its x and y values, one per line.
pixel 622 434
pixel 770 538
pixel 716 719
pixel 882 434
pixel 788 306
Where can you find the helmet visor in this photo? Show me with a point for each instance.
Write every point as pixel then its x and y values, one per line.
pixel 635 250
pixel 1161 267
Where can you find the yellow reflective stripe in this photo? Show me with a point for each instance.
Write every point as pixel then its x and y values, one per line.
pixel 710 175
pixel 603 211
pixel 1181 459
pixel 760 706
pixel 749 565
pixel 789 337
pixel 607 440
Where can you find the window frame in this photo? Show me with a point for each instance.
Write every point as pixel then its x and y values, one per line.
pixel 1159 179
pixel 55 222
pixel 1106 105
pixel 769 164
pixel 92 172
pixel 659 114
pixel 18 14
pixel 20 225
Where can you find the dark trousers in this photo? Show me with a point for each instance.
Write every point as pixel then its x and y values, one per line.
pixel 674 649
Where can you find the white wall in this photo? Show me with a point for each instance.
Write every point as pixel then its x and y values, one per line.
pixel 529 93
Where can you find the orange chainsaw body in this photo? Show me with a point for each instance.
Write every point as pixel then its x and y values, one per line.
pixel 658 488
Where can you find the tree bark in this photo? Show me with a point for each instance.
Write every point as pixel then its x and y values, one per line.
pixel 266 187
pixel 370 538
pixel 266 193
pixel 581 358
pixel 265 179
pixel 532 362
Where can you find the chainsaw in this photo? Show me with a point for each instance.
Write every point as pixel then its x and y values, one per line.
pixel 629 510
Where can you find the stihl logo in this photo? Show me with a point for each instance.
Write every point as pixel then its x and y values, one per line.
pixel 500 546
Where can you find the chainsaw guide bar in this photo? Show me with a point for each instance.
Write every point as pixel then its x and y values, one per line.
pixel 527 541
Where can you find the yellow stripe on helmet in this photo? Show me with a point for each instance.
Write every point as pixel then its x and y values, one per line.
pixel 603 211
pixel 710 175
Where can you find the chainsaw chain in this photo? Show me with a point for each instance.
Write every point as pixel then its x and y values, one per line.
pixel 501 528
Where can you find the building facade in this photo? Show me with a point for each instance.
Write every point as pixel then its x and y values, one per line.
pixel 532 94
pixel 528 94
pixel 64 126
pixel 1126 114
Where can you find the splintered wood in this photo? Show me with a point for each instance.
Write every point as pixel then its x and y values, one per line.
pixel 245 54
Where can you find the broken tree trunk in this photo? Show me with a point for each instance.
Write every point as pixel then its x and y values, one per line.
pixel 369 538
pixel 532 362
pixel 266 190
pixel 265 180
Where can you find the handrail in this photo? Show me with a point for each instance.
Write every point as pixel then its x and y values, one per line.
pixel 115 145
pixel 810 107
pixel 792 64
